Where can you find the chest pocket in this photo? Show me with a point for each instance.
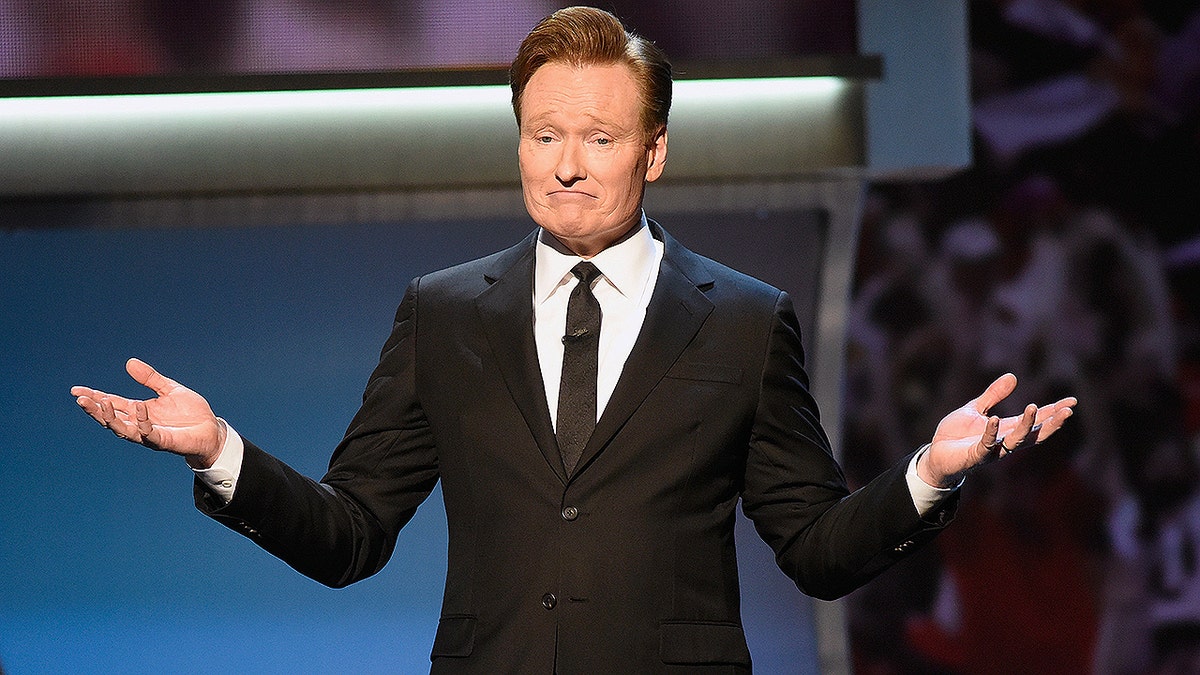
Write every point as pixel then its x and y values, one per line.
pixel 705 372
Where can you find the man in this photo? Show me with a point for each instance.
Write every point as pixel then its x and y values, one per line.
pixel 594 400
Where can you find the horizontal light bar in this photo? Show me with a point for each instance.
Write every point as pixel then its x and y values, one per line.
pixel 16 110
pixel 390 138
pixel 324 100
pixel 760 88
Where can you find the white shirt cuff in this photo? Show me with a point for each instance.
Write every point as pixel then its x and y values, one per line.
pixel 221 477
pixel 925 496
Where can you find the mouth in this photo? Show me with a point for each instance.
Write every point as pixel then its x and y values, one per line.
pixel 571 194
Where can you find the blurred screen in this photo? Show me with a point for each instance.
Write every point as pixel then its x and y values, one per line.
pixel 154 38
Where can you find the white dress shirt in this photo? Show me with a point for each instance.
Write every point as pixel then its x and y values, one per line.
pixel 629 270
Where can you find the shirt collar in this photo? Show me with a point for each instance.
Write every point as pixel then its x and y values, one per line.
pixel 626 264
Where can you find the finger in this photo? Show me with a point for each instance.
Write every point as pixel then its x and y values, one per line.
pixel 144 374
pixel 1021 430
pixel 1009 425
pixel 1051 417
pixel 108 416
pixel 107 413
pixel 117 420
pixel 1054 423
pixel 119 405
pixel 89 406
pixel 989 440
pixel 88 400
pixel 1052 408
pixel 997 391
pixel 145 428
pixel 94 394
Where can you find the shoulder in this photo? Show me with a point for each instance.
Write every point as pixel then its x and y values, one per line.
pixel 473 276
pixel 719 282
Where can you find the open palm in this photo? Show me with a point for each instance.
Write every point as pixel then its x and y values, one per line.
pixel 969 436
pixel 176 420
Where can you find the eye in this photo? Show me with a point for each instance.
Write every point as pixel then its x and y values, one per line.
pixel 603 141
pixel 544 139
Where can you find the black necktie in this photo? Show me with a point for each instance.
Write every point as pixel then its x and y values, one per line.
pixel 577 388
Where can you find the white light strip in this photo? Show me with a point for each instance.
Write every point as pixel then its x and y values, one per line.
pixel 759 89
pixel 349 100
pixel 418 136
pixel 14 110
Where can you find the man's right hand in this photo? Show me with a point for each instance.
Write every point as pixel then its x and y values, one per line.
pixel 176 420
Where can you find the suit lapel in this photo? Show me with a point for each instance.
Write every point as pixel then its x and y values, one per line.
pixel 676 312
pixel 506 312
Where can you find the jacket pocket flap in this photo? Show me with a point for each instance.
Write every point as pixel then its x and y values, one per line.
pixel 703 642
pixel 455 636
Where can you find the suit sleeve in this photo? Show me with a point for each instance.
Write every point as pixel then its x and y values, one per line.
pixel 826 539
pixel 344 528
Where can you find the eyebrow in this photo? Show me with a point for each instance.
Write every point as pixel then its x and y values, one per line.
pixel 609 125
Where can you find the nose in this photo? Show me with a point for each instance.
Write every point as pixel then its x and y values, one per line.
pixel 570 168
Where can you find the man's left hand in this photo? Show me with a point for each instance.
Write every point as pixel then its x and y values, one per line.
pixel 969 436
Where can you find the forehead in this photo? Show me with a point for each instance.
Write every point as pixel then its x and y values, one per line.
pixel 608 92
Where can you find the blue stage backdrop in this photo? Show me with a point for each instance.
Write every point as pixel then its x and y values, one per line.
pixel 106 565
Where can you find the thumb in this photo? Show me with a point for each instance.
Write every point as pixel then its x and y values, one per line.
pixel 144 374
pixel 997 391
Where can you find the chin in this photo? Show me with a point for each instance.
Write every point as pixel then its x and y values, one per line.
pixel 568 228
pixel 567 234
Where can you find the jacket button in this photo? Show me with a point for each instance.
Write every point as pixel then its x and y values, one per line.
pixel 570 513
pixel 549 601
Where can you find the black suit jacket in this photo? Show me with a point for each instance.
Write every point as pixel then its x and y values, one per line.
pixel 629 564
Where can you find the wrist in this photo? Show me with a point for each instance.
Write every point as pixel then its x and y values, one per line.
pixel 206 459
pixel 933 478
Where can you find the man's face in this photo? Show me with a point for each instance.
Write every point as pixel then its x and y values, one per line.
pixel 585 159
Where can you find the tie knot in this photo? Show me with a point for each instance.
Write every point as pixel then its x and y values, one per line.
pixel 585 272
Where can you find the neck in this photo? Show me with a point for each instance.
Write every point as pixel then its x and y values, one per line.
pixel 589 248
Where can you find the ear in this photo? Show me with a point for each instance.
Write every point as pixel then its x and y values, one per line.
pixel 656 155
